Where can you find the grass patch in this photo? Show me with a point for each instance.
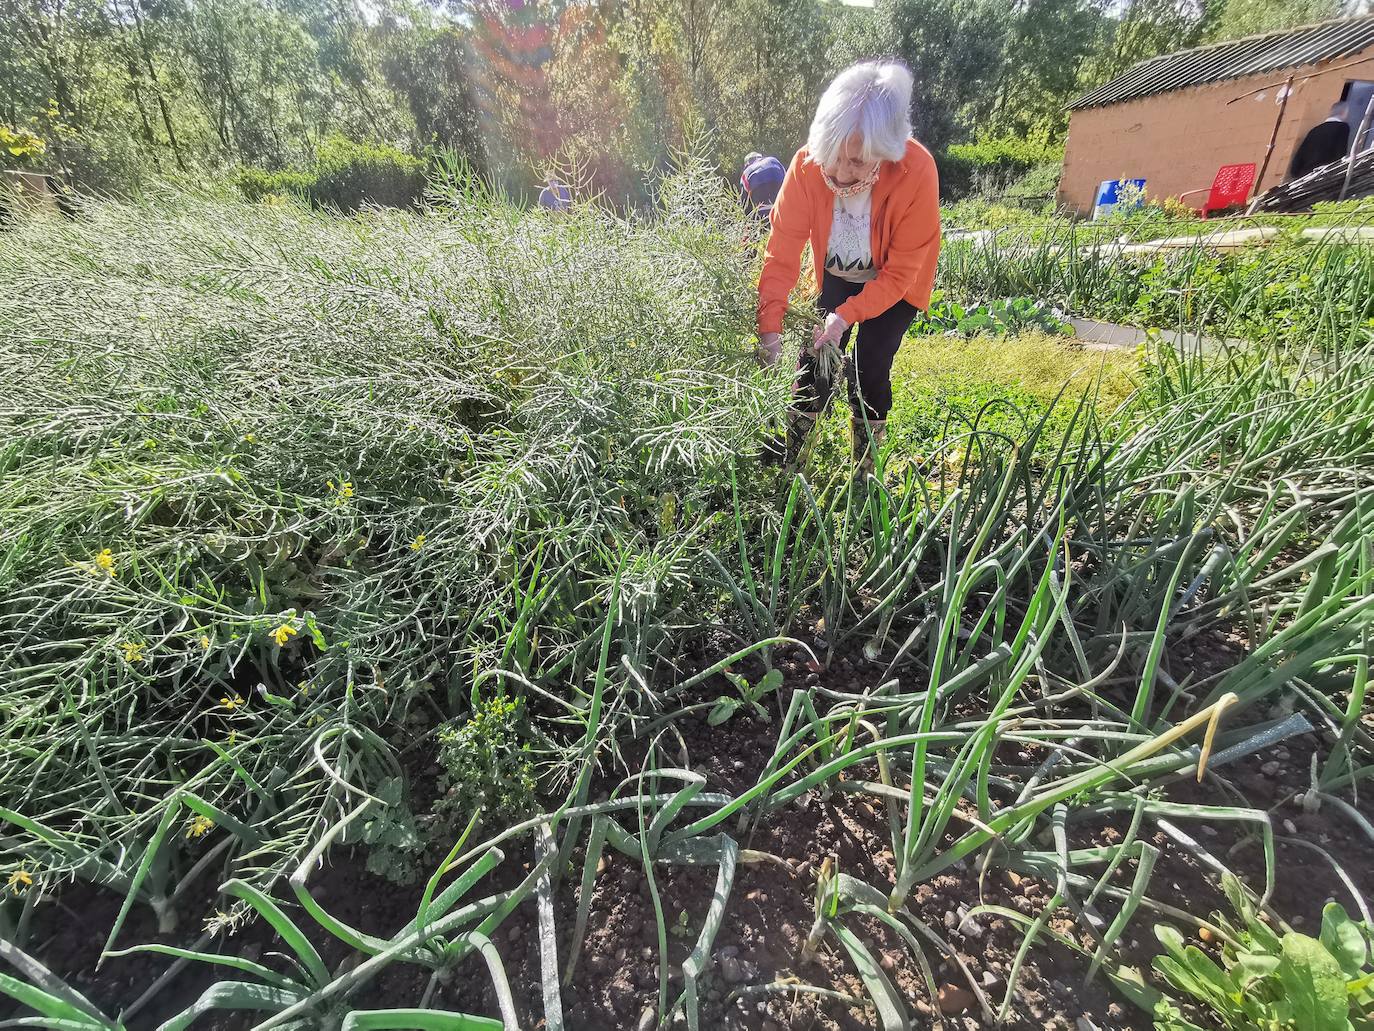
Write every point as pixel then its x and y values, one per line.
pixel 945 385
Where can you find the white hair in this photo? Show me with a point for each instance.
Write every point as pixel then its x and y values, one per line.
pixel 871 99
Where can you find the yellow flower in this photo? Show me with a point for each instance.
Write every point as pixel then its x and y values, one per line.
pixel 342 491
pixel 283 634
pixel 418 542
pixel 233 737
pixel 199 826
pixel 249 438
pixel 232 703
pixel 19 880
pixel 133 652
pixel 105 562
pixel 304 689
pixel 205 641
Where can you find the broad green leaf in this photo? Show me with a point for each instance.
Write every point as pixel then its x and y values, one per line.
pixel 1130 982
pixel 722 711
pixel 1343 939
pixel 1313 984
pixel 1171 939
pixel 772 680
pixel 1254 965
pixel 1178 975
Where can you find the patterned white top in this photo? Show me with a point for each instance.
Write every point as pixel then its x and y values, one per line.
pixel 849 254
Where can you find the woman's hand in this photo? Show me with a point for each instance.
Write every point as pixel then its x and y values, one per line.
pixel 769 349
pixel 830 333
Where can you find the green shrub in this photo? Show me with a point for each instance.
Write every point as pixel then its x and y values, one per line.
pixel 257 183
pixel 485 765
pixel 348 175
pixel 991 164
pixel 1039 182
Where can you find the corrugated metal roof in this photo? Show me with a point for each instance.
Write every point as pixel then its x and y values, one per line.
pixel 1253 55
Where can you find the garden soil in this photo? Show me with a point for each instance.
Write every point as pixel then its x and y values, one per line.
pixel 616 984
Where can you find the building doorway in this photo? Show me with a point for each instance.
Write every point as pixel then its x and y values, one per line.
pixel 1357 94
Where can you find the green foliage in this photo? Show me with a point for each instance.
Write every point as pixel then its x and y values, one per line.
pixel 257 184
pixel 1011 315
pixel 1247 17
pixel 19 147
pixel 1039 183
pixel 389 831
pixel 750 697
pixel 1263 979
pixel 1296 289
pixel 1013 167
pixel 483 468
pixel 347 175
pixel 486 765
pixel 1003 384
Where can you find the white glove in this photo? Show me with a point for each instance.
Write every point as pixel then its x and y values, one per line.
pixel 769 349
pixel 831 332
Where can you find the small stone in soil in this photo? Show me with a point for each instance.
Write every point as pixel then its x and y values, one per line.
pixel 647 1020
pixel 1271 768
pixel 513 935
pixel 731 970
pixel 954 999
pixel 1290 826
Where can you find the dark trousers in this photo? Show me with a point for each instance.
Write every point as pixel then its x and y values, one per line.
pixel 869 370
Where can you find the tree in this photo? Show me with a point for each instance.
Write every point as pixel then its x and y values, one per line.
pixel 1048 43
pixel 429 68
pixel 956 51
pixel 769 77
pixel 1148 28
pixel 1244 17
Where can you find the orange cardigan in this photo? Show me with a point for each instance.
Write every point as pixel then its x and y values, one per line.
pixel 905 221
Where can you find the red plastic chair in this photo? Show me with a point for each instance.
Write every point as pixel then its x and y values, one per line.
pixel 1231 186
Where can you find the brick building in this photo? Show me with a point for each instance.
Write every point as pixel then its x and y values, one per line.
pixel 1174 120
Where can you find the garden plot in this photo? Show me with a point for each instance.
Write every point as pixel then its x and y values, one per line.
pixel 400 632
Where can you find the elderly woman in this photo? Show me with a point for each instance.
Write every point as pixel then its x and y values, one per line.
pixel 865 194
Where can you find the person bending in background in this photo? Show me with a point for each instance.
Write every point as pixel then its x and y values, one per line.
pixel 759 183
pixel 554 196
pixel 1324 143
pixel 866 196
